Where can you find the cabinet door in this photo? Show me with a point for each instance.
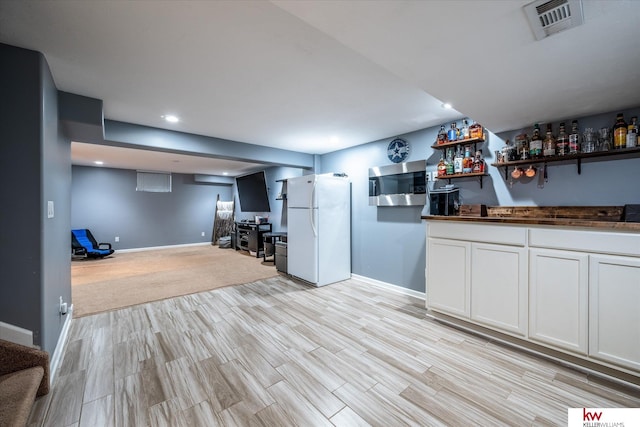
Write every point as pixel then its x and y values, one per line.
pixel 448 276
pixel 499 287
pixel 614 310
pixel 558 298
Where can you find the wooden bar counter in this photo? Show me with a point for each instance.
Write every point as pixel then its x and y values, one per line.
pixel 599 217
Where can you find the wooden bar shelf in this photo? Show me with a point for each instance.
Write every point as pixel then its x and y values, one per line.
pixel 578 158
pixel 464 175
pixel 458 142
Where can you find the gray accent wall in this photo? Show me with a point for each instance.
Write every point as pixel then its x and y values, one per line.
pixel 388 243
pixel 35 167
pixel 105 201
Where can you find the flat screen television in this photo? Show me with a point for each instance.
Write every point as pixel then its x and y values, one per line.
pixel 252 192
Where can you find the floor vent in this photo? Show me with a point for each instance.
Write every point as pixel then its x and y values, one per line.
pixel 547 17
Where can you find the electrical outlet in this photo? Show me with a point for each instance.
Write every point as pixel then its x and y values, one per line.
pixel 203 234
pixel 117 239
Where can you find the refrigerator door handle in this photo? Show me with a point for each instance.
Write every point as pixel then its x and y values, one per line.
pixel 313 225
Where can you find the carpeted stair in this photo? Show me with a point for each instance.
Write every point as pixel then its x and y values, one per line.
pixel 24 375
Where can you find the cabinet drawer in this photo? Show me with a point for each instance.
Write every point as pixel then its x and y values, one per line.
pixel 500 234
pixel 586 241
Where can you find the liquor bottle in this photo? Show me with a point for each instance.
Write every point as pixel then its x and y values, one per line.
pixel 549 143
pixel 522 146
pixel 442 168
pixel 442 136
pixel 574 138
pixel 449 162
pixel 632 133
pixel 478 162
pixel 535 145
pixel 476 131
pixel 452 134
pixel 562 143
pixel 464 131
pixel 620 132
pixel 457 161
pixel 467 161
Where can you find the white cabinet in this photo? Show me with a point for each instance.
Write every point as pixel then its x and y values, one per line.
pixel 448 276
pixel 571 290
pixel 558 298
pixel 614 310
pixel 499 287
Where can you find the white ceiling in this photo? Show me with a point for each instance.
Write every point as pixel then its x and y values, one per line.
pixel 294 74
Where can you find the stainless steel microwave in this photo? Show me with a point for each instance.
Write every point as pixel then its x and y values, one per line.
pixel 400 184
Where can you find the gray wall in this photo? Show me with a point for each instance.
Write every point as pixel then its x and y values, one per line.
pixel 105 201
pixel 388 243
pixel 34 168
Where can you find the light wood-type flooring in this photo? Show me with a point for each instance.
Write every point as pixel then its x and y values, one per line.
pixel 279 353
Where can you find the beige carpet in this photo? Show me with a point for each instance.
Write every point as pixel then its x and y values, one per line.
pixel 131 278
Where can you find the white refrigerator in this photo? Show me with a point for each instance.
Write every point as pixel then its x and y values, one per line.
pixel 319 228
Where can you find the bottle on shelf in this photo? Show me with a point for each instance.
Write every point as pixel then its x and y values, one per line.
pixel 535 145
pixel 476 130
pixel 632 133
pixel 441 168
pixel 467 161
pixel 620 132
pixel 442 136
pixel 452 134
pixel 574 138
pixel 449 162
pixel 478 162
pixel 522 147
pixel 457 161
pixel 562 142
pixel 464 131
pixel 549 143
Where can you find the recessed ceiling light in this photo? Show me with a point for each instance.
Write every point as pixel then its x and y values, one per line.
pixel 171 118
pixel 225 173
pixel 334 140
pixel 447 106
pixel 99 162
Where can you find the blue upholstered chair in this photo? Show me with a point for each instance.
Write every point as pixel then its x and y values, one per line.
pixel 83 243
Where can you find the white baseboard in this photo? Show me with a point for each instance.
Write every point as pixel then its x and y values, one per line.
pixel 56 358
pixel 389 286
pixel 151 248
pixel 16 334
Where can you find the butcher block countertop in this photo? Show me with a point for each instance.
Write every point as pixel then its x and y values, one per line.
pixel 598 217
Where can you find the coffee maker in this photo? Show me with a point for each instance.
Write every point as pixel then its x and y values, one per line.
pixel 444 201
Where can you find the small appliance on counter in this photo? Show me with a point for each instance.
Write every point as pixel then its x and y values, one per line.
pixel 444 201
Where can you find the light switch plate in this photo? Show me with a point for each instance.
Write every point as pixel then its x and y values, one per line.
pixel 50 212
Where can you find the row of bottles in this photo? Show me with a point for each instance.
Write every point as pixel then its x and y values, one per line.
pixel 571 141
pixel 455 134
pixel 459 163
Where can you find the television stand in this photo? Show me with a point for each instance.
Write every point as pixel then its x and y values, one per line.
pixel 248 236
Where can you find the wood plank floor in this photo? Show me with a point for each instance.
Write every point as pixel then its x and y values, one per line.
pixel 278 353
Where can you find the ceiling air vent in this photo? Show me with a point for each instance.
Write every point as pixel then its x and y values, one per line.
pixel 547 17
